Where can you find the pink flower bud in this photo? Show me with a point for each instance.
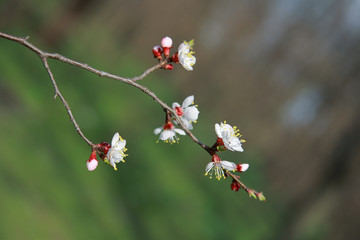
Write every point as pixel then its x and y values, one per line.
pixel 91 164
pixel 166 42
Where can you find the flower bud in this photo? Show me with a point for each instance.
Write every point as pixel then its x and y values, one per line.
pixel 157 50
pixel 92 162
pixel 251 193
pixel 235 186
pixel 166 42
pixel 168 67
pixel 261 197
pixel 175 58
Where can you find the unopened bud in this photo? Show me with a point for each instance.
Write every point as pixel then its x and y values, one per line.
pixel 261 197
pixel 235 186
pixel 175 58
pixel 252 193
pixel 157 50
pixel 92 163
pixel 168 67
pixel 166 42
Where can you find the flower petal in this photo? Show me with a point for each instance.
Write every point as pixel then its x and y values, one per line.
pixel 184 48
pixel 191 60
pixel 167 134
pixel 209 166
pixel 234 144
pixel 191 113
pixel 218 130
pixel 121 144
pixel 187 123
pixel 230 166
pixel 188 101
pixel 238 148
pixel 244 167
pixel 227 128
pixel 158 130
pixel 115 138
pixel 175 104
pixel 179 131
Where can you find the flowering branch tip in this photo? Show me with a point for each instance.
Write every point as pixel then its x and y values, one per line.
pixel 183 116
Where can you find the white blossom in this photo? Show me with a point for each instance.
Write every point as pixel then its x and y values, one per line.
pixel 187 112
pixel 230 136
pixel 117 151
pixel 186 59
pixel 166 42
pixel 217 167
pixel 168 133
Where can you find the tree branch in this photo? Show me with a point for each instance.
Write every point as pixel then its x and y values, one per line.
pixel 131 81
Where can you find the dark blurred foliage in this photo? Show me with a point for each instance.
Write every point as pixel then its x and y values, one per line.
pixel 286 72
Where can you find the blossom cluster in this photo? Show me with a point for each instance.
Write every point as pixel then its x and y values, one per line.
pixel 110 154
pixel 188 113
pixel 184 55
pixel 179 121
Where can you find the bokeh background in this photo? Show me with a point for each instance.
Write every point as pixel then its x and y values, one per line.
pixel 286 72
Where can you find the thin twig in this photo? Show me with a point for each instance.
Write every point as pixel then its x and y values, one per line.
pixel 66 105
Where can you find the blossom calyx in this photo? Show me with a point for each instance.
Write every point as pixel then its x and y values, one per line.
pixel 103 149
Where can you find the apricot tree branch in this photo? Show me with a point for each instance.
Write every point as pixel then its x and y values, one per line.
pixel 131 81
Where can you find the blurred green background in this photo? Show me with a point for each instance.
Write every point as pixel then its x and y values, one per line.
pixel 286 72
